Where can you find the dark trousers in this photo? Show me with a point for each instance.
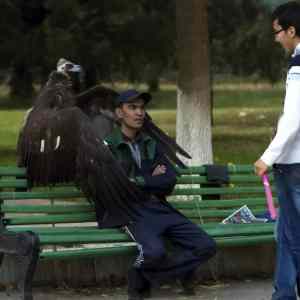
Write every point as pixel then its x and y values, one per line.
pixel 287 179
pixel 159 222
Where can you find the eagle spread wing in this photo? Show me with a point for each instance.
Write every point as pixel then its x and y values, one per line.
pixel 59 143
pixel 63 141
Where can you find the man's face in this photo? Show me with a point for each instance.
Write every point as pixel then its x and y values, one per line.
pixel 132 114
pixel 284 37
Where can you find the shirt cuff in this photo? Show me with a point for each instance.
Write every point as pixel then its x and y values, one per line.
pixel 267 160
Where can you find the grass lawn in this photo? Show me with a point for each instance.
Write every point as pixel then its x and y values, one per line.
pixel 243 117
pixel 10 121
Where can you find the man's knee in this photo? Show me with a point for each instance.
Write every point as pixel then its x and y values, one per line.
pixel 154 256
pixel 207 249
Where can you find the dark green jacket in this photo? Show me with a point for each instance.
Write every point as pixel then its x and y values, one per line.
pixel 151 156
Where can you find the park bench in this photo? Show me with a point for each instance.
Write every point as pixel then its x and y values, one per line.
pixel 63 221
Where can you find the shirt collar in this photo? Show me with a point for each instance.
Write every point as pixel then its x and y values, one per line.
pixel 117 138
pixel 296 51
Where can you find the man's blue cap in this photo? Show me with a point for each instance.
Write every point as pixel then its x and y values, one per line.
pixel 131 95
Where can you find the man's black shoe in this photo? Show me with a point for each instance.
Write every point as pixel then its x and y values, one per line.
pixel 135 295
pixel 188 287
pixel 146 292
pixel 188 292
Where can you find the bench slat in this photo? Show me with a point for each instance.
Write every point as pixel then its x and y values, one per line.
pixel 211 227
pixel 49 209
pixel 83 238
pixel 232 178
pixel 131 249
pixel 233 169
pixel 51 219
pixel 177 191
pixel 16 183
pixel 91 216
pixel 117 237
pixel 235 203
pixel 15 171
pixel 40 195
pixel 86 253
pixel 219 213
pixel 12 171
pixel 218 191
pixel 245 240
pixel 87 207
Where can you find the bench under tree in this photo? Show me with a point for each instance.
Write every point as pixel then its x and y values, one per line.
pixel 58 223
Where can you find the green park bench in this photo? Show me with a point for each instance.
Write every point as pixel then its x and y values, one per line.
pixel 64 221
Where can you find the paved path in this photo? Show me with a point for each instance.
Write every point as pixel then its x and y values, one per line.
pixel 252 289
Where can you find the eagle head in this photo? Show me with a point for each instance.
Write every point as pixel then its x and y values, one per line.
pixel 73 71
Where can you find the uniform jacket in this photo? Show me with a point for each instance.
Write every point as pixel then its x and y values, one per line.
pixel 151 155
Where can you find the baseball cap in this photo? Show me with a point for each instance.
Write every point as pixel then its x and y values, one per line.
pixel 131 95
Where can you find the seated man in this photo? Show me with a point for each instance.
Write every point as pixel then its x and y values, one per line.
pixel 143 161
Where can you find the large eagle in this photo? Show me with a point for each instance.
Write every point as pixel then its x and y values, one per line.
pixel 62 140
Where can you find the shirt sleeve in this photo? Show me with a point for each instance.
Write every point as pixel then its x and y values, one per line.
pixel 289 123
pixel 163 184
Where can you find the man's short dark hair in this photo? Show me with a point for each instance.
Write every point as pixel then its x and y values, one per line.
pixel 288 14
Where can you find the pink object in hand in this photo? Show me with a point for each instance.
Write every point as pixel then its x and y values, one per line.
pixel 269 197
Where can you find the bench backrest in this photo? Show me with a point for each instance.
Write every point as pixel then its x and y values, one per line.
pixel 198 199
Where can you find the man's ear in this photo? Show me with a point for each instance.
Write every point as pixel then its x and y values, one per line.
pixel 292 31
pixel 119 112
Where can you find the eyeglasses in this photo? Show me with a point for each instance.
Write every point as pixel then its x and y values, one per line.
pixel 278 31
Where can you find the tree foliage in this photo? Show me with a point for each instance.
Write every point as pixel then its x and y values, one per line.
pixel 127 40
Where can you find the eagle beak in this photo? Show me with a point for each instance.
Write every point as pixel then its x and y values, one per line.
pixel 74 68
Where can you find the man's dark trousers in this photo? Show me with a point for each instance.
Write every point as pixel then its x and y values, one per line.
pixel 287 179
pixel 158 222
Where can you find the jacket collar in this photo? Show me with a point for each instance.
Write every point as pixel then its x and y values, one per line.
pixel 296 51
pixel 116 138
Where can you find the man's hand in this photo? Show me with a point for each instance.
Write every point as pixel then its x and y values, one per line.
pixel 260 167
pixel 159 170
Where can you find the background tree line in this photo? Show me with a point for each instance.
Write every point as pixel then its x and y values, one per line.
pixel 132 40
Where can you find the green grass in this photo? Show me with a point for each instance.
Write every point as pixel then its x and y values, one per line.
pixel 243 117
pixel 10 122
pixel 243 122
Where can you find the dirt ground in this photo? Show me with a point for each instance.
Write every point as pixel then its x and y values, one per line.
pixel 254 289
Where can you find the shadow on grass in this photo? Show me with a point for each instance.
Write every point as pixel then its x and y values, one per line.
pixel 8 157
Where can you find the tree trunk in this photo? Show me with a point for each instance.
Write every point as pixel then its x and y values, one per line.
pixel 193 95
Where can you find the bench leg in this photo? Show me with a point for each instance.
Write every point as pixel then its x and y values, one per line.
pixel 25 247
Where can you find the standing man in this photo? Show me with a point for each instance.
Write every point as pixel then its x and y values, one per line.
pixel 283 154
pixel 144 162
